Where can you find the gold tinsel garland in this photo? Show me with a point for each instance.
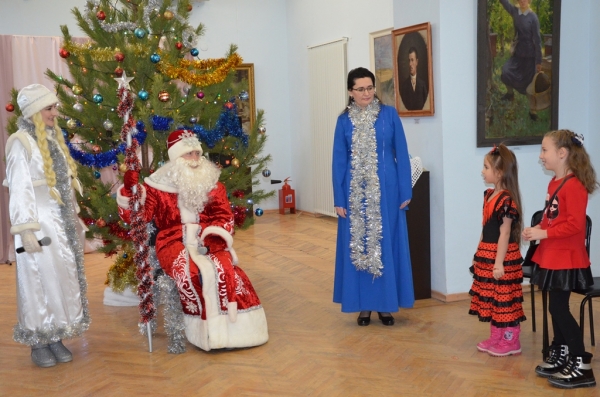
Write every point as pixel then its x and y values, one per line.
pixel 101 54
pixel 221 68
pixel 121 274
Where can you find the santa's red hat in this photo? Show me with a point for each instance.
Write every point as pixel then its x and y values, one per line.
pixel 181 142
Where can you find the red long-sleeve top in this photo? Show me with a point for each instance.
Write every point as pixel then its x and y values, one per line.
pixel 565 221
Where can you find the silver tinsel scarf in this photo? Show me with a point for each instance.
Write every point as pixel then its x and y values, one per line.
pixel 365 193
pixel 54 334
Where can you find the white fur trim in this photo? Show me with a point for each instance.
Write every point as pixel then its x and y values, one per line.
pixel 160 186
pixel 18 229
pixel 186 215
pixel 123 201
pixel 218 231
pixel 21 137
pixel 232 311
pixel 180 148
pixel 234 257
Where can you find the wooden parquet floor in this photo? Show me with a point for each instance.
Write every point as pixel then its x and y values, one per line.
pixel 314 349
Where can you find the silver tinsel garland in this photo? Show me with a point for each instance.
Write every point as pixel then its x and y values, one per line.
pixel 68 215
pixel 365 193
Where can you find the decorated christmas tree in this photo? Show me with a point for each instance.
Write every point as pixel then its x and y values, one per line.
pixel 139 75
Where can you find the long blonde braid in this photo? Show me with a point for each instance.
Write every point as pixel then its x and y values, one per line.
pixel 40 133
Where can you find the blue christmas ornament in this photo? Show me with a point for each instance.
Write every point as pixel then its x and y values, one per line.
pixel 125 256
pixel 97 98
pixel 258 212
pixel 143 95
pixel 266 173
pixel 244 95
pixel 139 33
pixel 155 58
pixel 194 52
pixel 97 174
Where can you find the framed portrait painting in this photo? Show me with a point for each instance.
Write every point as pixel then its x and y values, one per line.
pixel 413 71
pixel 517 71
pixel 382 65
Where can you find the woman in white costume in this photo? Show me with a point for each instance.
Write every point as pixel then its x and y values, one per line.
pixel 51 285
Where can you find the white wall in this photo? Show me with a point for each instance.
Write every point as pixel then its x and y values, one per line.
pixel 312 22
pixel 454 160
pixel 258 28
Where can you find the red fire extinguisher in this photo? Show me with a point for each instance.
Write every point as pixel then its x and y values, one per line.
pixel 287 198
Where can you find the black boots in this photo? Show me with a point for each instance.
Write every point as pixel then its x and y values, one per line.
pixel 556 361
pixel 576 373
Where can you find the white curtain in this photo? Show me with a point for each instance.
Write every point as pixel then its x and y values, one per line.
pixel 24 61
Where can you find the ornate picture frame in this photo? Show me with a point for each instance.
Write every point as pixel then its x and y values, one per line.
pixel 244 76
pixel 517 100
pixel 413 70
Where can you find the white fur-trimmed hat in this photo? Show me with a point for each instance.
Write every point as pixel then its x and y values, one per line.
pixel 34 98
pixel 181 142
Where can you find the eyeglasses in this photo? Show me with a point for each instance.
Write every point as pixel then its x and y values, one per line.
pixel 363 89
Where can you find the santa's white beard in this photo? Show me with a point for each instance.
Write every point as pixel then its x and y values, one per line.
pixel 194 181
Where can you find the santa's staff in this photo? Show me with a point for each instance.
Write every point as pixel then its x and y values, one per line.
pixel 138 225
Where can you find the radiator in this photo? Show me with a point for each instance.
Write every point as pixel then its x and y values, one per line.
pixel 328 97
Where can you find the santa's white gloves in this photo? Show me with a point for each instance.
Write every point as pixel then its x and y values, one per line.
pixel 30 242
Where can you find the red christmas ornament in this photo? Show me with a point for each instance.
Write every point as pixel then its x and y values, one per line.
pixel 239 215
pixel 96 148
pixel 119 72
pixel 189 8
pixel 238 193
pixel 229 105
pixel 64 53
pixel 179 45
pixel 119 57
pixel 101 222
pixel 10 107
pixel 101 15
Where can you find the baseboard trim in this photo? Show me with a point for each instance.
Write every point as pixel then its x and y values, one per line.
pixel 461 296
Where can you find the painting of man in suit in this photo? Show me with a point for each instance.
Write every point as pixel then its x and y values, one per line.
pixel 413 90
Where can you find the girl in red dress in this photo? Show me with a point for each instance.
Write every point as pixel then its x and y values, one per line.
pixel 497 294
pixel 562 261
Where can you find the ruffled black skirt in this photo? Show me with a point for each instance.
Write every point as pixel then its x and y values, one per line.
pixel 565 280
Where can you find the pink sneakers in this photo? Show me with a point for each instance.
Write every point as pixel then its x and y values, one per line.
pixel 509 343
pixel 495 335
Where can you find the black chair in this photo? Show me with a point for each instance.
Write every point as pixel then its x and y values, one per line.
pixel 528 270
pixel 589 293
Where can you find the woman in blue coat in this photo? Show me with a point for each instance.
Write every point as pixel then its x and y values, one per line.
pixel 371 189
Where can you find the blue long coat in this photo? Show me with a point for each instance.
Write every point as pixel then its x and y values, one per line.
pixel 357 290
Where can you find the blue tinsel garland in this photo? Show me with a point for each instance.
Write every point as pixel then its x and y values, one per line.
pixel 228 122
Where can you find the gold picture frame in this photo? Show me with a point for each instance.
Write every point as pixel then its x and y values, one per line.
pixel 244 77
pixel 414 97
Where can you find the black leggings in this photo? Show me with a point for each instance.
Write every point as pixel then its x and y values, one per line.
pixel 566 329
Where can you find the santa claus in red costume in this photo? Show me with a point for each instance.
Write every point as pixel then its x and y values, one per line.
pixel 190 209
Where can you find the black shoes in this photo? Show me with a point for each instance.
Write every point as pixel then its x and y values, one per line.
pixel 364 318
pixel 387 319
pixel 556 361
pixel 577 373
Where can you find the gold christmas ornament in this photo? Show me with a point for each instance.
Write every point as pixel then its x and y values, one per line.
pixel 123 168
pixel 164 96
pixel 235 162
pixel 168 15
pixel 71 124
pixel 77 90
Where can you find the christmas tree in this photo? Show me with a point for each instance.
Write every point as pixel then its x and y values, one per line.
pixel 139 73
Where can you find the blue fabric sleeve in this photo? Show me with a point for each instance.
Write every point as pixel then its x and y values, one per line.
pixel 340 164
